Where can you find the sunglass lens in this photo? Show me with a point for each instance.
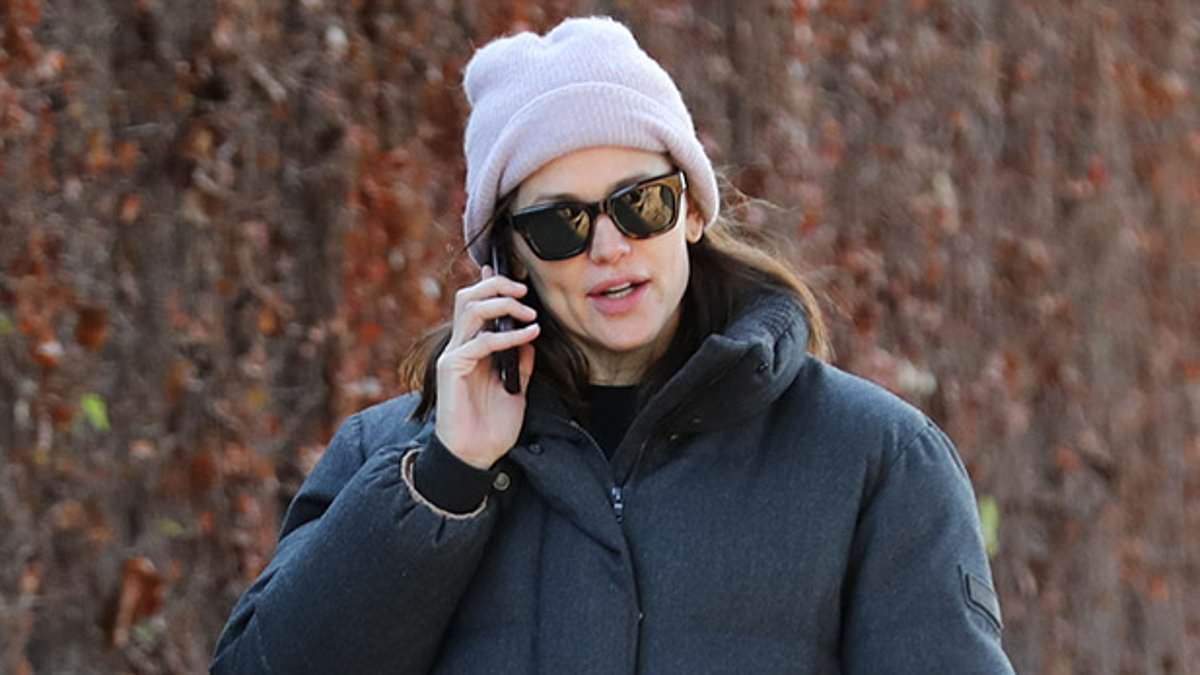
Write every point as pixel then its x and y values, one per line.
pixel 556 232
pixel 646 211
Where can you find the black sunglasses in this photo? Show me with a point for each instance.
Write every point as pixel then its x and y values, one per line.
pixel 561 230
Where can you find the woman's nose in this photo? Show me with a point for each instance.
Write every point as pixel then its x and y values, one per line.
pixel 608 243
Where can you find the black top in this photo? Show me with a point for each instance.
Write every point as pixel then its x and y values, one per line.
pixel 610 412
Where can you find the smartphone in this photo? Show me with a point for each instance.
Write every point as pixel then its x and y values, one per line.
pixel 505 361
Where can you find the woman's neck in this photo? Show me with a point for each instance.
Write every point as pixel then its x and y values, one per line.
pixel 616 369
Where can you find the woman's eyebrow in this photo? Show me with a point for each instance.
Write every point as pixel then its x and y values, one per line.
pixel 569 197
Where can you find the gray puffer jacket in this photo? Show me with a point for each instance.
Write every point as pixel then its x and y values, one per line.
pixel 766 513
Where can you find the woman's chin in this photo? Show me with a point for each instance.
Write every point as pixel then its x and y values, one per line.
pixel 633 341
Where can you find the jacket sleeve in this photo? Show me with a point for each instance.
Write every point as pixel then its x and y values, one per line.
pixel 366 575
pixel 919 595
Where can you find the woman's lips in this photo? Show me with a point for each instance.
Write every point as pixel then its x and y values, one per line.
pixel 618 299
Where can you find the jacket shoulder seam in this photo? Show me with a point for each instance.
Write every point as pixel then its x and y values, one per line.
pixel 902 449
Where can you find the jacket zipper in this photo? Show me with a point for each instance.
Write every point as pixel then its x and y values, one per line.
pixel 616 493
pixel 618 503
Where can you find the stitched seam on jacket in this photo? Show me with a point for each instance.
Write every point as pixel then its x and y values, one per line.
pixel 406 468
pixel 871 488
pixel 903 448
pixel 871 491
pixel 262 653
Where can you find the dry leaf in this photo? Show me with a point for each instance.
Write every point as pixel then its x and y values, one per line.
pixel 140 596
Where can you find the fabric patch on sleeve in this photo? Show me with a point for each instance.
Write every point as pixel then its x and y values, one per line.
pixel 981 596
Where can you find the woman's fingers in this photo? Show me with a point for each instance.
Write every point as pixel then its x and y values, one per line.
pixel 477 314
pixel 493 308
pixel 475 304
pixel 487 343
pixel 490 287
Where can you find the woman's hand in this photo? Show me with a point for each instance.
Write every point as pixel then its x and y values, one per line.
pixel 476 418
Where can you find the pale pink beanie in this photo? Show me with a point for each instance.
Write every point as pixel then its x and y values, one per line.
pixel 585 83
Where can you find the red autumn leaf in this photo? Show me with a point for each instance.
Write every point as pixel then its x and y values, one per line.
pixel 131 208
pixel 1191 371
pixel 61 412
pixel 204 472
pixel 370 332
pixel 1159 590
pixel 31 579
pixel 1097 172
pixel 127 156
pixel 91 331
pixel 98 158
pixel 206 522
pixel 199 143
pixel 268 322
pixel 28 12
pixel 70 515
pixel 177 379
pixel 1067 460
pixel 140 596
pixel 19 41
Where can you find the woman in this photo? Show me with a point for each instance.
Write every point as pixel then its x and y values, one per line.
pixel 679 485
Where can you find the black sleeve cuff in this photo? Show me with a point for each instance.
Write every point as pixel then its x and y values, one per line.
pixel 448 482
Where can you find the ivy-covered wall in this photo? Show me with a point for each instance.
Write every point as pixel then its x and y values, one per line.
pixel 223 223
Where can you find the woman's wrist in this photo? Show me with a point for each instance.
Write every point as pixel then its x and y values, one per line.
pixel 472 461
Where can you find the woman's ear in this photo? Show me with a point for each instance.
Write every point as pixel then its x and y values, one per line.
pixel 695 226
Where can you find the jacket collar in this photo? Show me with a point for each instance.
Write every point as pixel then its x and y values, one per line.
pixel 733 375
pixel 737 373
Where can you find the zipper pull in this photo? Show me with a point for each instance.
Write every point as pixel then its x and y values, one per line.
pixel 618 503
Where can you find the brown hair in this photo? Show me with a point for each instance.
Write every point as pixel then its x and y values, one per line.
pixel 729 268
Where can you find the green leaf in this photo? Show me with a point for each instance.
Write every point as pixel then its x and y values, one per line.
pixel 6 325
pixel 989 518
pixel 171 528
pixel 145 633
pixel 95 410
